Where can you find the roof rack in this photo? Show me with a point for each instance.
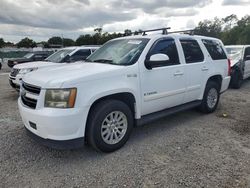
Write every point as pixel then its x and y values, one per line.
pixel 165 31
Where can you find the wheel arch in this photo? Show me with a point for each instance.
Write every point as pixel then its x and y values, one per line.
pixel 216 78
pixel 126 97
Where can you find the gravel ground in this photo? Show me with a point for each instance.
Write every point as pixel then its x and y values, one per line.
pixel 188 149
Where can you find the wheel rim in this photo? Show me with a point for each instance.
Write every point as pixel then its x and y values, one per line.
pixel 212 98
pixel 114 127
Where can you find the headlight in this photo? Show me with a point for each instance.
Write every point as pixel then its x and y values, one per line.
pixel 25 71
pixel 60 98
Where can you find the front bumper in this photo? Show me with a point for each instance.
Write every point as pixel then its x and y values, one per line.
pixel 55 125
pixel 225 84
pixel 62 145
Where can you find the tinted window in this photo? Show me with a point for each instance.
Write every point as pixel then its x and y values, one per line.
pixel 167 47
pixel 247 52
pixel 83 53
pixel 192 51
pixel 215 49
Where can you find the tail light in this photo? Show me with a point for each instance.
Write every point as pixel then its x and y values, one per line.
pixel 229 67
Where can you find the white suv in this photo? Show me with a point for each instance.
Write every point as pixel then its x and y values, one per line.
pixel 129 81
pixel 62 56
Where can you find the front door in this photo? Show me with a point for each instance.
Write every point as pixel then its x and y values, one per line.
pixel 163 86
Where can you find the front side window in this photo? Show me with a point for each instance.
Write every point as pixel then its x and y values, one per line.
pixel 192 51
pixel 215 49
pixel 167 47
pixel 119 52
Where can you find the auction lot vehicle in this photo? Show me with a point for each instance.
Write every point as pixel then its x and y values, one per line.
pixel 32 56
pixel 61 57
pixel 240 58
pixel 128 81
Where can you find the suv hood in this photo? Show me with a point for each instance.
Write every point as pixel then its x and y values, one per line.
pixel 55 77
pixel 36 64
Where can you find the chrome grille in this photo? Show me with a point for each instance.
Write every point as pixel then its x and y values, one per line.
pixel 33 90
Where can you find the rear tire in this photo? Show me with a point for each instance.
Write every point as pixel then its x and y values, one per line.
pixel 211 98
pixel 109 125
pixel 237 80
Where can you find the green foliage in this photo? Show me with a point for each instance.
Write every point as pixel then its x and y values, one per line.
pixel 68 42
pixel 98 38
pixel 26 43
pixel 229 29
pixel 55 41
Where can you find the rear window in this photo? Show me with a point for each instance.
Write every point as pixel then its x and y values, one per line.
pixel 215 49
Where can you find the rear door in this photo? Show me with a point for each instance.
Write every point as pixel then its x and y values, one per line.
pixel 196 68
pixel 247 62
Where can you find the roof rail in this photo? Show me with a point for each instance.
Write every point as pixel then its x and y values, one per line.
pixel 164 31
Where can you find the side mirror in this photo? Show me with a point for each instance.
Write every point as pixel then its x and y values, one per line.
pixel 66 59
pixel 156 60
pixel 247 58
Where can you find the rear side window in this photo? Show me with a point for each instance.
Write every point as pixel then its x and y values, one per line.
pixel 168 47
pixel 192 51
pixel 215 49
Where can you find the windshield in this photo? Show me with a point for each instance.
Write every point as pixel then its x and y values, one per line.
pixel 58 56
pixel 28 55
pixel 119 52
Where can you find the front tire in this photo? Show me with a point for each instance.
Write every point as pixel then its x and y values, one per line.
pixel 109 125
pixel 211 98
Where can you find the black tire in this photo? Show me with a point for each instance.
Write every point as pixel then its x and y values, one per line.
pixel 0 66
pixel 237 80
pixel 205 107
pixel 94 126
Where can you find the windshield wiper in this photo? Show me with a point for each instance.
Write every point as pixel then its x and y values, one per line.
pixel 103 61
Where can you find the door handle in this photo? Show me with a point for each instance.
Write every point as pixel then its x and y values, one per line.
pixel 178 74
pixel 204 69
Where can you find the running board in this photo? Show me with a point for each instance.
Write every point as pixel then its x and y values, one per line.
pixel 161 114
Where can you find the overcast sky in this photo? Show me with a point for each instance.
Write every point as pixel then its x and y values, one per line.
pixel 42 19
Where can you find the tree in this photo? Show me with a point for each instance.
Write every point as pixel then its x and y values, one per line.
pixel 68 42
pixel 55 41
pixel 230 22
pixel 26 43
pixel 211 28
pixel 127 32
pixel 2 43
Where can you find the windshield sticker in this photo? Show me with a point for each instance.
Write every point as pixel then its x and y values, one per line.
pixel 134 42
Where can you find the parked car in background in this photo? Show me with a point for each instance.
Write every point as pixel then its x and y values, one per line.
pixel 240 62
pixel 62 56
pixel 128 81
pixel 31 56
